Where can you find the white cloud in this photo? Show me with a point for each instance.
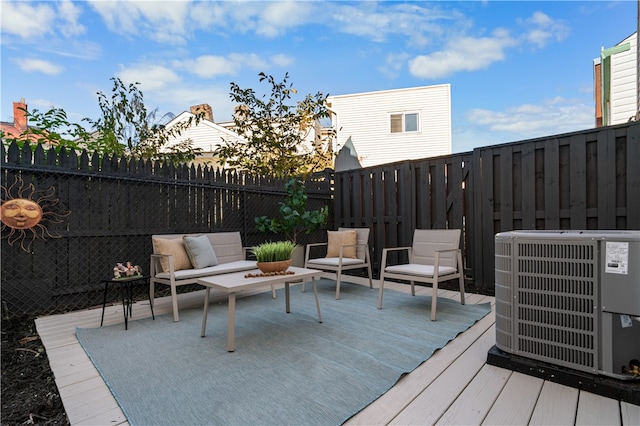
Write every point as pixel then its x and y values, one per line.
pixel 152 77
pixel 278 17
pixel 38 65
pixel 163 21
pixel 26 20
pixel 282 60
pixel 552 116
pixel 69 14
pixel 462 54
pixel 393 64
pixel 542 29
pixel 208 66
pixel 419 23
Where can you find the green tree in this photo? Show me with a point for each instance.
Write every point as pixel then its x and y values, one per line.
pixel 273 131
pixel 294 217
pixel 127 128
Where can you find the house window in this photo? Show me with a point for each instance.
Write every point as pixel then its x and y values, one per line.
pixel 407 122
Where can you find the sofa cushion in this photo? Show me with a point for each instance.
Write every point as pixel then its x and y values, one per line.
pixel 200 252
pixel 221 268
pixel 336 239
pixel 174 247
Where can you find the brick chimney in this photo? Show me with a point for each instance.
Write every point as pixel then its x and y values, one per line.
pixel 206 108
pixel 20 115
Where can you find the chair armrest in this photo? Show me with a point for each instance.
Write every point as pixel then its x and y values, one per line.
pixel 245 250
pixel 385 251
pixel 317 244
pixel 436 259
pixel 155 260
pixel 342 247
pixel 447 250
pixel 308 250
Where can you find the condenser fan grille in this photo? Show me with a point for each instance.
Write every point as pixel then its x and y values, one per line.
pixel 555 302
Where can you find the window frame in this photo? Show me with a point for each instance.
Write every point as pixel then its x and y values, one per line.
pixel 403 115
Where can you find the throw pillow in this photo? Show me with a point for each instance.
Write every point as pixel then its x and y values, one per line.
pixel 200 252
pixel 174 247
pixel 337 239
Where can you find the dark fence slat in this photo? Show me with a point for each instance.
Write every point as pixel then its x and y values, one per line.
pixel 633 178
pixel 551 185
pixel 578 182
pixel 606 180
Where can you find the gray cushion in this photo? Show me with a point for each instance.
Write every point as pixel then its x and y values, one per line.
pixel 200 252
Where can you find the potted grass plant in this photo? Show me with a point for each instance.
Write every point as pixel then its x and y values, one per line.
pixel 274 256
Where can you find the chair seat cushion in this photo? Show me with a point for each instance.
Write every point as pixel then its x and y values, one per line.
pixel 333 261
pixel 420 270
pixel 221 268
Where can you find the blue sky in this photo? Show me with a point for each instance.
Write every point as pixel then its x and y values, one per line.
pixel 517 69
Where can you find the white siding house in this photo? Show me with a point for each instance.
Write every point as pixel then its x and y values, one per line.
pixel 623 82
pixel 393 125
pixel 205 135
pixel 618 85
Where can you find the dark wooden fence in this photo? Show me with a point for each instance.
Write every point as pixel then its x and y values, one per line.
pixel 581 180
pixel 115 206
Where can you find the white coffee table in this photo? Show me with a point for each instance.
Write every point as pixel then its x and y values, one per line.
pixel 236 282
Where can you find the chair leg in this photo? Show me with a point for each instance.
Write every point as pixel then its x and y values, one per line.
pixel 370 277
pixel 434 301
pixel 304 282
pixel 413 288
pixel 152 292
pixel 174 301
pixel 273 292
pixel 381 289
pixel 338 276
pixel 461 278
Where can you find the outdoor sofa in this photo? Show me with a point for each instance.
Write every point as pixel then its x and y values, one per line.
pixel 181 259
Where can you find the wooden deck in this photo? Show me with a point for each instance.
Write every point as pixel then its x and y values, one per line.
pixel 455 386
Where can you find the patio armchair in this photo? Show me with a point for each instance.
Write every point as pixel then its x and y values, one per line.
pixel 344 251
pixel 434 257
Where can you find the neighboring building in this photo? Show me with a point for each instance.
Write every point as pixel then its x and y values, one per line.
pixel 207 134
pixel 391 125
pixel 20 122
pixel 616 84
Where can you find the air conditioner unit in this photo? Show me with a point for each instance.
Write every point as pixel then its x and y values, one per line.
pixel 570 298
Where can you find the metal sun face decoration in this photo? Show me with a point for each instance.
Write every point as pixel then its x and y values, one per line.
pixel 25 213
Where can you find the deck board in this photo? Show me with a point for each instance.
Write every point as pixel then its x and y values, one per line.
pixel 516 402
pixel 431 404
pixel 556 405
pixel 475 401
pixel 597 410
pixel 630 414
pixel 454 386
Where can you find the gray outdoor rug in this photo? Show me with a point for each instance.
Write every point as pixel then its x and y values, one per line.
pixel 287 369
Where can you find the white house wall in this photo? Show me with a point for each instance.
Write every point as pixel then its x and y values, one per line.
pixel 365 118
pixel 624 83
pixel 206 135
